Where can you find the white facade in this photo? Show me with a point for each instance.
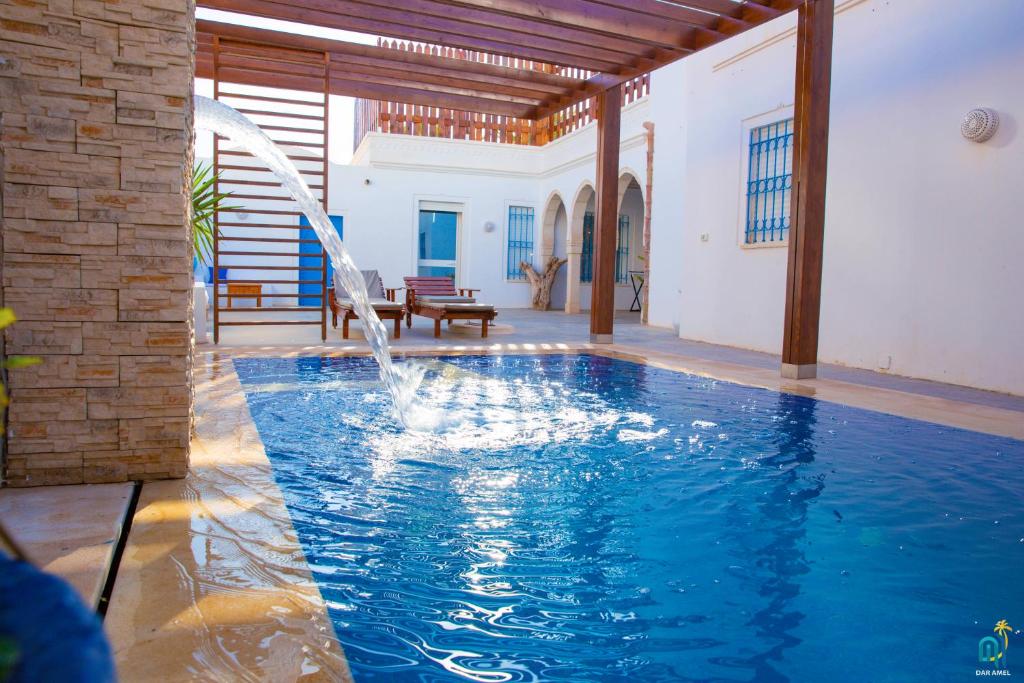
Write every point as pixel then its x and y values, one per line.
pixel 480 180
pixel 391 177
pixel 923 237
pixel 923 240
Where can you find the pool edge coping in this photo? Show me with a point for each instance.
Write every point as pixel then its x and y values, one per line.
pixel 226 450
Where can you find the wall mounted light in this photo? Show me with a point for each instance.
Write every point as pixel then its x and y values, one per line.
pixel 242 215
pixel 980 124
pixel 489 226
pixel 367 181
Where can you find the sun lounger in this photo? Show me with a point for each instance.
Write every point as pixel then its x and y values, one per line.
pixel 382 299
pixel 438 299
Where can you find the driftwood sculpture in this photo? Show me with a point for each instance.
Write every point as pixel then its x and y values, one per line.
pixel 540 283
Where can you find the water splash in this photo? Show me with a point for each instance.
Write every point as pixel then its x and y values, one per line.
pixel 223 120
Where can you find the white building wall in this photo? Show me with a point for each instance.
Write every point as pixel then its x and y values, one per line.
pixel 923 245
pixel 381 217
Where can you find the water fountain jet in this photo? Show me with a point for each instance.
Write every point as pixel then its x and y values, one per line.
pixel 223 120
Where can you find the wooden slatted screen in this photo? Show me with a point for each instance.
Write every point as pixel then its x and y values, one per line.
pixel 262 257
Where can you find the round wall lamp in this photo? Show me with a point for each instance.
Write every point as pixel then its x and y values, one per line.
pixel 242 215
pixel 489 226
pixel 980 124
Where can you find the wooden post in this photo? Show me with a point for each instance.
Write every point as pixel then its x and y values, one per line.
pixel 602 300
pixel 810 160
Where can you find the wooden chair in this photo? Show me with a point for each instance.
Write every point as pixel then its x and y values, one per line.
pixel 437 298
pixel 383 300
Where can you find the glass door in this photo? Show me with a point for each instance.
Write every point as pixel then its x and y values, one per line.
pixel 438 243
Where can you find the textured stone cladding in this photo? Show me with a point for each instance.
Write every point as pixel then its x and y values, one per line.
pixel 97 143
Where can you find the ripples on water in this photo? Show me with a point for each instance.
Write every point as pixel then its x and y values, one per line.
pixel 577 518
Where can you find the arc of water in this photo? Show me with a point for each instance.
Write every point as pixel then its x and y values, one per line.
pixel 223 120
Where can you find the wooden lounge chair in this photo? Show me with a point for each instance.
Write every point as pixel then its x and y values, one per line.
pixel 382 299
pixel 438 299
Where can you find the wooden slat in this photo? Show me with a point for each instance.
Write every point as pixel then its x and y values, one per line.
pixel 282 240
pixel 237 323
pixel 275 295
pixel 269 309
pixel 282 254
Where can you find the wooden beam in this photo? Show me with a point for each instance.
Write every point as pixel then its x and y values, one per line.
pixel 705 38
pixel 527 28
pixel 606 220
pixel 375 91
pixel 810 163
pixel 413 61
pixel 347 15
pixel 442 82
pixel 619 19
pixel 391 93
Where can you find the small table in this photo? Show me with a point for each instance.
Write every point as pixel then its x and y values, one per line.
pixel 636 278
pixel 245 291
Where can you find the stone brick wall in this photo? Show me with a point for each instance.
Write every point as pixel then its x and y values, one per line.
pixel 96 132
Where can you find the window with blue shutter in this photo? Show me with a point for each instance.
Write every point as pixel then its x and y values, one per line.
pixel 769 182
pixel 520 241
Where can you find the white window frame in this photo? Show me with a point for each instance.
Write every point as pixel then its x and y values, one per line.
pixel 781 113
pixel 442 203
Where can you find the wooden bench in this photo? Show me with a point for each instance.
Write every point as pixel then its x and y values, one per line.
pixel 245 291
pixel 437 298
pixel 382 299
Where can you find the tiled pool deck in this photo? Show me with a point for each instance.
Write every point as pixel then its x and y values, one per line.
pixel 213 580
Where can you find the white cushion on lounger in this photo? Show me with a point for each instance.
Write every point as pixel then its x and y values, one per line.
pixel 445 299
pixel 378 304
pixel 468 308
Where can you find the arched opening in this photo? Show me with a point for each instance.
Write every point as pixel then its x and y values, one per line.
pixel 629 255
pixel 554 242
pixel 579 266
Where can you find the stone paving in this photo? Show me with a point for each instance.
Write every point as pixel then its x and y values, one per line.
pixel 532 327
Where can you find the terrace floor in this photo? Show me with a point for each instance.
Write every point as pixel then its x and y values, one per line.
pixel 554 327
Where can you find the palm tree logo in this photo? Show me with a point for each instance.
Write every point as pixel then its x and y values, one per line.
pixel 990 650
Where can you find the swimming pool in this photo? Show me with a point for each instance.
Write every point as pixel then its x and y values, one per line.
pixel 579 518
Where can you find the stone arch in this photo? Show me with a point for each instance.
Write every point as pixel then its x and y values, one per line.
pixel 631 201
pixel 627 176
pixel 584 197
pixel 547 226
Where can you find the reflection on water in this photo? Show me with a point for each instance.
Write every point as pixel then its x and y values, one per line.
pixel 579 518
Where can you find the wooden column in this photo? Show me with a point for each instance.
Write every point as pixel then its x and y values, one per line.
pixel 602 300
pixel 807 224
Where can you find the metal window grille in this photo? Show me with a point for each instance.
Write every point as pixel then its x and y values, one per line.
pixel 622 250
pixel 520 241
pixel 769 182
pixel 587 255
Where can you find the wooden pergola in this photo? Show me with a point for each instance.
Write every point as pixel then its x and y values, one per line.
pixel 562 52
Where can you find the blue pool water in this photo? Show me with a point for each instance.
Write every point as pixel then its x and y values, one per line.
pixel 577 518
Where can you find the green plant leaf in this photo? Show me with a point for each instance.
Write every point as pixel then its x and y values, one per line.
pixel 15 362
pixel 7 317
pixel 206 203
